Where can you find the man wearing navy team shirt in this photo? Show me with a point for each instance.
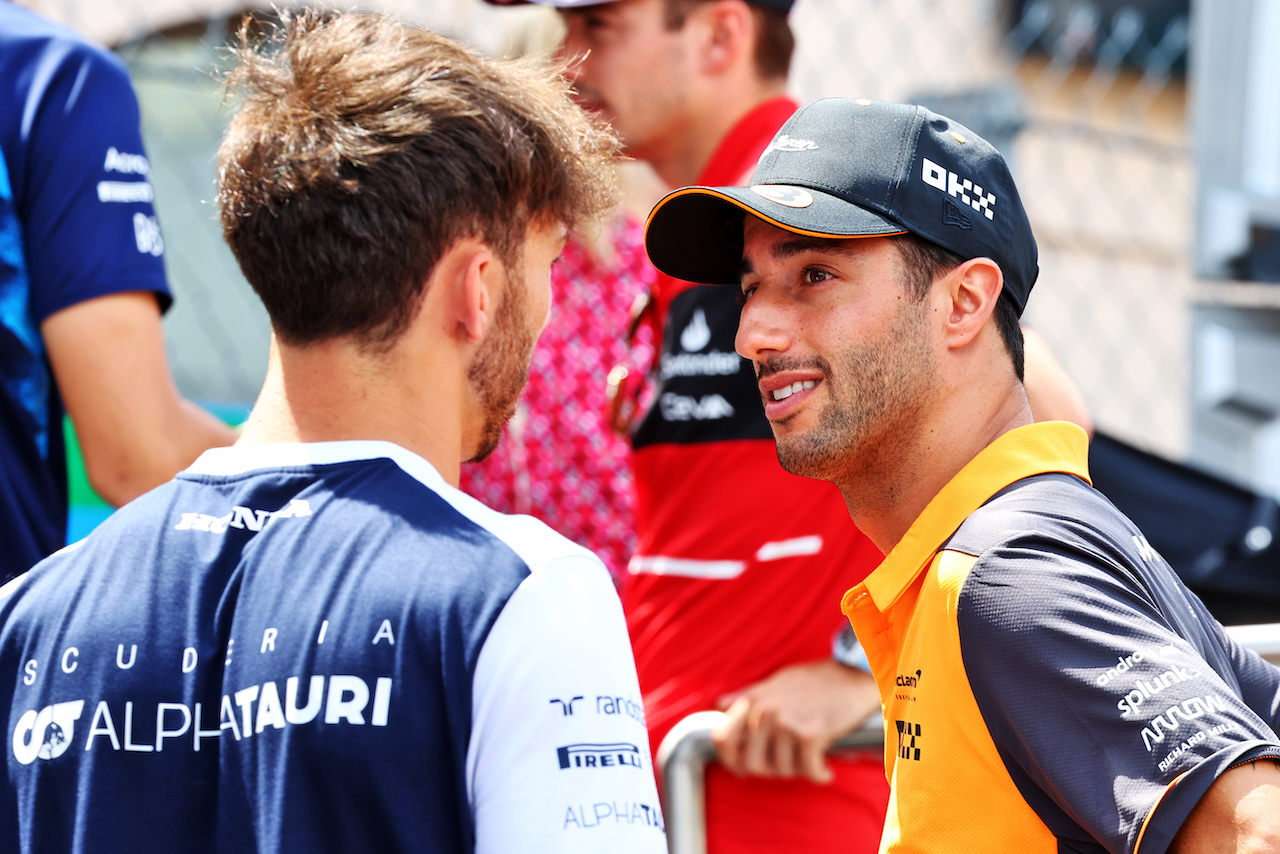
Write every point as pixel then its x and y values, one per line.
pixel 312 641
pixel 82 287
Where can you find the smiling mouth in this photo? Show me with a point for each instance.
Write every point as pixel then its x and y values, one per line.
pixel 798 386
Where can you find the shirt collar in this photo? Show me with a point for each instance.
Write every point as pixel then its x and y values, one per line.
pixel 1049 447
pixel 242 459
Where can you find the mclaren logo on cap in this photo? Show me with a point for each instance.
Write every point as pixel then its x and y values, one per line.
pixel 792 197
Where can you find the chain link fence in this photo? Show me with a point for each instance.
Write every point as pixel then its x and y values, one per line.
pixel 1087 98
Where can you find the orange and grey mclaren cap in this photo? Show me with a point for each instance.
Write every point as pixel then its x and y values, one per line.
pixel 848 168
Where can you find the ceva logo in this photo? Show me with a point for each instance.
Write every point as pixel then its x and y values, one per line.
pixel 46 734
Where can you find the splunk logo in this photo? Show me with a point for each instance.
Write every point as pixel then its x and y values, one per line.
pixel 1145 689
pixel 46 734
pixel 599 755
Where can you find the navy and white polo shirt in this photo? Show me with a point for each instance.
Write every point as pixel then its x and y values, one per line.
pixel 321 647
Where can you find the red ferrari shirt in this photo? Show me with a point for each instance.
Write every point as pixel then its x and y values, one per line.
pixel 739 566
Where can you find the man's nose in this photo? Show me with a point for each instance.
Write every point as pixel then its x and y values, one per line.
pixel 762 330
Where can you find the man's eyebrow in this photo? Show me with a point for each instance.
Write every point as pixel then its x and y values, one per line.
pixel 799 244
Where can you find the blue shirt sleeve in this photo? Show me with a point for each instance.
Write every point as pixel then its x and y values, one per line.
pixel 1111 717
pixel 82 181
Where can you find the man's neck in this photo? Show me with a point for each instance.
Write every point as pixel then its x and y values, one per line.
pixel 682 158
pixel 332 392
pixel 885 505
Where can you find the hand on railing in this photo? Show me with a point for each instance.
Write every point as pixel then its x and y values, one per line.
pixel 782 726
pixel 682 759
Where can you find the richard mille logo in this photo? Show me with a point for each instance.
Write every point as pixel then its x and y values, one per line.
pixel 908 740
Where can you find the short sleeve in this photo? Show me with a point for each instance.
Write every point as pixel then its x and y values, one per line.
pixel 1109 721
pixel 84 194
pixel 559 756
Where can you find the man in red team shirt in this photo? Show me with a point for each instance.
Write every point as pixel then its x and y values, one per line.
pixel 729 607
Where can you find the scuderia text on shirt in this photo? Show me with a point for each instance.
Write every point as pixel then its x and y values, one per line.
pixel 120 724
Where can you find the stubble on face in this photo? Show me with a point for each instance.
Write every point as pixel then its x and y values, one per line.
pixel 867 429
pixel 499 370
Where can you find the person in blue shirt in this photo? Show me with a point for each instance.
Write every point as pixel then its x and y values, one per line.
pixel 313 641
pixel 82 288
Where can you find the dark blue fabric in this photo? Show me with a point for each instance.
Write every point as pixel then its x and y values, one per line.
pixel 64 107
pixel 1077 637
pixel 384 580
pixel 706 391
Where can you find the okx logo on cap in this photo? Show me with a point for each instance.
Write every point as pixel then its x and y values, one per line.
pixel 856 168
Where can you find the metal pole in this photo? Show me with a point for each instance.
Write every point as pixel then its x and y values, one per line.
pixel 682 759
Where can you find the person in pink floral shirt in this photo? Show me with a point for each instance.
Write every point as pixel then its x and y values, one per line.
pixel 559 459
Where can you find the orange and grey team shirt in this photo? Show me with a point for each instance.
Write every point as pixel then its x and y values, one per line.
pixel 1049 684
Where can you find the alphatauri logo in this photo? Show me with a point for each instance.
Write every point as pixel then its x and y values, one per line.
pixel 46 734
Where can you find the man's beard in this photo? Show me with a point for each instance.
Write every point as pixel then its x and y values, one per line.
pixel 876 395
pixel 499 370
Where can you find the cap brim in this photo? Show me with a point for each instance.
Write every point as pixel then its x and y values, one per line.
pixel 695 233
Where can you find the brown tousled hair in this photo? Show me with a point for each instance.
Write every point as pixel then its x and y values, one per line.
pixel 364 148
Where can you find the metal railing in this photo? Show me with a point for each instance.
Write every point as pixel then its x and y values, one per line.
pixel 687 748
pixel 682 760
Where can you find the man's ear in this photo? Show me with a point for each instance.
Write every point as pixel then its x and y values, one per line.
pixel 728 34
pixel 464 280
pixel 971 290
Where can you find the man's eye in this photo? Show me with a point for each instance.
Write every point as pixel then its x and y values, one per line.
pixel 814 276
pixel 742 296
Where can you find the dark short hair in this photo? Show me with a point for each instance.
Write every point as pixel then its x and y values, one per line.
pixel 775 43
pixel 924 261
pixel 363 148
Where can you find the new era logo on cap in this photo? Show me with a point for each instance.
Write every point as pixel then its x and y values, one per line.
pixel 957 187
pixel 846 168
